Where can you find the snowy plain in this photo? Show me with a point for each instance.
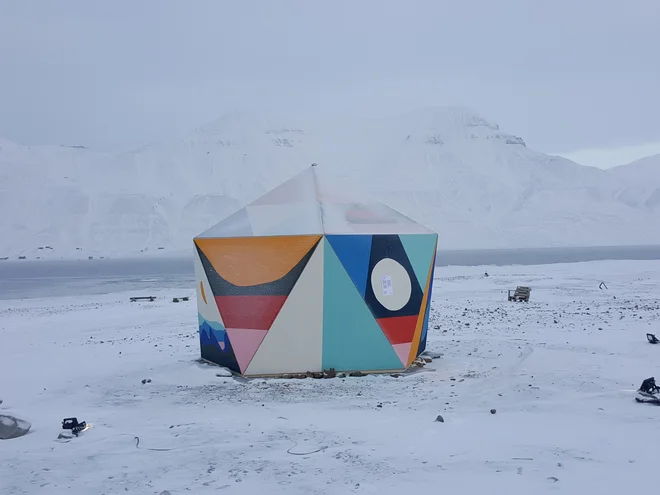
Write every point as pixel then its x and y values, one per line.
pixel 560 371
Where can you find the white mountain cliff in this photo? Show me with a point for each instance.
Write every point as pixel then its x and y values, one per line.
pixel 641 180
pixel 448 168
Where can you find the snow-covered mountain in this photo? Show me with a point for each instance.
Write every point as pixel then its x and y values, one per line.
pixel 448 168
pixel 641 180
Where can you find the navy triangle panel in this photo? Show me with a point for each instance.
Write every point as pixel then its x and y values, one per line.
pixel 354 253
pixel 390 246
pixel 212 351
pixel 281 287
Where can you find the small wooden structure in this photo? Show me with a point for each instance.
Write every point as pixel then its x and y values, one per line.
pixel 520 294
pixel 144 298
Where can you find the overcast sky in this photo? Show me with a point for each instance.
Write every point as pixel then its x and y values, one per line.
pixel 565 75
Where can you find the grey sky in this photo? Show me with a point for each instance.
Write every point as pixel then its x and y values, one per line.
pixel 115 74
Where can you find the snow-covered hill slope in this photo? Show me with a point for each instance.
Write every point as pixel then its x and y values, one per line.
pixel 641 179
pixel 448 168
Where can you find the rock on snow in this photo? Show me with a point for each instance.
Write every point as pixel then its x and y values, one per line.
pixel 11 427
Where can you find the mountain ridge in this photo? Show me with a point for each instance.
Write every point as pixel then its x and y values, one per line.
pixel 445 167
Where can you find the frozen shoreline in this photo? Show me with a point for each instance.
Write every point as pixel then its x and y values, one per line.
pixel 559 371
pixel 41 278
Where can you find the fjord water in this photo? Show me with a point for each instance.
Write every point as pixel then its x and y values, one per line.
pixel 45 278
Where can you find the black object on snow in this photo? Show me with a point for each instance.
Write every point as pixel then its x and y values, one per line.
pixel 648 391
pixel 652 339
pixel 648 386
pixel 73 425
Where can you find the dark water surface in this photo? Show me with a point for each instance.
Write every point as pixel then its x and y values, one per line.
pixel 41 278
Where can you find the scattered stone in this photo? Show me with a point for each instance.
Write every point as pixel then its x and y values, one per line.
pixel 379 405
pixel 356 373
pixel 426 359
pixel 439 419
pixel 331 373
pixel 146 380
pixel 11 427
pixel 395 375
pixel 493 411
pixel 553 479
pixel 223 373
pixel 432 355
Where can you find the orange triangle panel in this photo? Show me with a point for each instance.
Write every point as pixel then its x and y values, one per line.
pixel 256 312
pixel 246 261
pixel 420 319
pixel 398 329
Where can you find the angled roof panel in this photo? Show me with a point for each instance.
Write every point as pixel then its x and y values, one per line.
pixel 315 202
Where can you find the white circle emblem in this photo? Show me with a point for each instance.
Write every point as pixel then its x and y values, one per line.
pixel 391 284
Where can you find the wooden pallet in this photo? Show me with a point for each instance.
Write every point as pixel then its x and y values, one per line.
pixel 143 298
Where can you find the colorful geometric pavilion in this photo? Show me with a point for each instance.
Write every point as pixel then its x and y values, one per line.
pixel 313 276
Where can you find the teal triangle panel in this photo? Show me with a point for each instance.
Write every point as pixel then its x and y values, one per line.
pixel 352 339
pixel 420 249
pixel 353 252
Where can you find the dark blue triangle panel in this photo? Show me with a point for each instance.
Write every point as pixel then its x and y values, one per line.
pixel 425 328
pixel 354 252
pixel 215 345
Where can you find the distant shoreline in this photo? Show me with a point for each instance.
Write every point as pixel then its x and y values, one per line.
pixel 545 256
pixel 46 278
pixel 445 257
pixel 174 264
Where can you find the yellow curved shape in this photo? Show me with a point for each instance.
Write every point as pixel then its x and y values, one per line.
pixel 201 288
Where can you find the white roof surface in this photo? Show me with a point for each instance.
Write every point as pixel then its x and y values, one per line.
pixel 313 202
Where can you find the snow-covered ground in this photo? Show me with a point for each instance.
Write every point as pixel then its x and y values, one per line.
pixel 560 371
